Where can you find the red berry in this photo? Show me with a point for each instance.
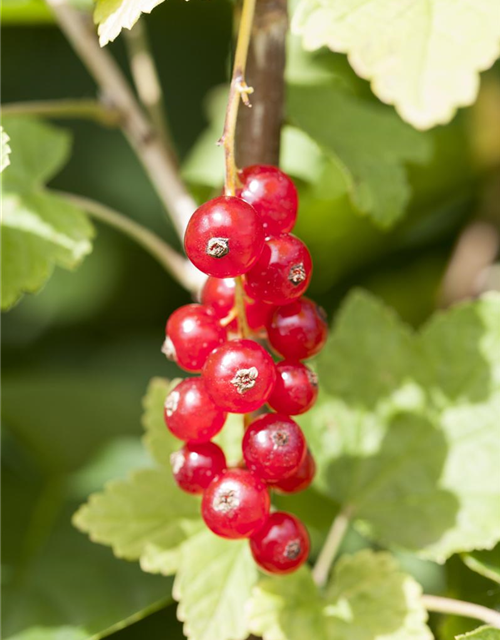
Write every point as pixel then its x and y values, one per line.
pixel 298 330
pixel 190 413
pixel 196 465
pixel 224 237
pixel 258 313
pixel 272 194
pixel 281 545
pixel 296 388
pixel 301 479
pixel 239 376
pixel 274 447
pixel 235 504
pixel 193 331
pixel 283 271
pixel 218 294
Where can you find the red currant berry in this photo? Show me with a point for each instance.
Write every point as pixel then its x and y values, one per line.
pixel 274 447
pixel 190 414
pixel 196 465
pixel 218 294
pixel 239 376
pixel 272 194
pixel 281 545
pixel 193 331
pixel 258 313
pixel 224 237
pixel 296 388
pixel 235 504
pixel 301 479
pixel 298 330
pixel 283 271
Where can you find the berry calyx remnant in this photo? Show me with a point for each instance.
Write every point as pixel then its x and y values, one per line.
pixel 274 447
pixel 281 545
pixel 224 237
pixel 236 504
pixel 258 273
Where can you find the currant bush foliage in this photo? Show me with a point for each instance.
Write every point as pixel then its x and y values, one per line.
pixel 371 145
pixel 407 433
pixel 111 16
pixel 368 597
pixel 486 563
pixel 39 228
pixel 422 56
pixel 483 633
pixel 405 436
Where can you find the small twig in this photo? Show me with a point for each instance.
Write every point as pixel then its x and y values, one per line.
pixel 237 91
pixel 148 146
pixel 330 548
pixel 147 81
pixel 259 129
pixel 453 607
pixel 239 305
pixel 178 267
pixel 86 109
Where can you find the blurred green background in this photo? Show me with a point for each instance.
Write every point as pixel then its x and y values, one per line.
pixel 77 357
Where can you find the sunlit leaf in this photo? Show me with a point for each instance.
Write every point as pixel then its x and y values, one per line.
pixel 423 56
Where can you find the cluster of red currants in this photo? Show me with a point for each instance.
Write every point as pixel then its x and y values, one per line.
pixel 228 237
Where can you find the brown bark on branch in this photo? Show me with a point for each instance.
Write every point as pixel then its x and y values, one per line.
pixel 259 128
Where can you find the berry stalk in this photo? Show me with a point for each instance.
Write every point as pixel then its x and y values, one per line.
pixel 239 90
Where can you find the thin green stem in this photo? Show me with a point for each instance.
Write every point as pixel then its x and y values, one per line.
pixel 78 109
pixel 330 548
pixel 453 607
pixel 178 267
pixel 238 91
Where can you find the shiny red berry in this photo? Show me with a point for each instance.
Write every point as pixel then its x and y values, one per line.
pixel 273 195
pixel 274 447
pixel 301 479
pixel 258 313
pixel 283 271
pixel 196 465
pixel 190 413
pixel 224 237
pixel 235 504
pixel 281 545
pixel 193 331
pixel 239 376
pixel 218 294
pixel 296 388
pixel 298 330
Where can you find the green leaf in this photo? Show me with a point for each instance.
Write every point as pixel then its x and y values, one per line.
pixel 42 553
pixel 368 598
pixel 41 150
pixel 39 229
pixel 409 53
pixel 407 431
pixel 112 16
pixel 145 518
pixel 486 563
pixel 369 142
pixel 213 587
pixel 4 149
pixel 481 633
pixel 51 633
pixel 34 12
